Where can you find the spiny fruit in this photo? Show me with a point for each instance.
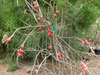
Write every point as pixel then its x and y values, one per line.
pixel 57 12
pixel 50 47
pixel 40 28
pixel 9 39
pixel 39 19
pixel 36 7
pixel 22 46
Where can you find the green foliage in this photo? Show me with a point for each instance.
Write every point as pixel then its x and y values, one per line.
pixel 82 15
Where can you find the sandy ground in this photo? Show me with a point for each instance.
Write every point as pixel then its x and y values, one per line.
pixel 93 64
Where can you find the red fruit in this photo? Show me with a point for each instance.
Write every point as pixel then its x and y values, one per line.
pixel 58 54
pixel 23 71
pixel 49 31
pixel 36 6
pixel 22 46
pixel 83 43
pixel 50 47
pixel 39 19
pixel 20 51
pixel 60 58
pixel 51 35
pixel 5 36
pixel 87 43
pixel 35 71
pixel 34 2
pixel 57 12
pixel 85 69
pixel 40 28
pixel 19 54
pixel 82 64
pixel 9 39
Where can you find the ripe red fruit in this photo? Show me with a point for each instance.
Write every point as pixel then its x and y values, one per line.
pixel 23 71
pixel 50 47
pixel 20 51
pixel 22 46
pixel 36 6
pixel 34 2
pixel 5 36
pixel 83 43
pixel 57 12
pixel 85 69
pixel 60 58
pixel 35 71
pixel 40 28
pixel 84 66
pixel 39 19
pixel 9 39
pixel 58 54
pixel 19 54
pixel 87 43
pixel 49 31
pixel 51 35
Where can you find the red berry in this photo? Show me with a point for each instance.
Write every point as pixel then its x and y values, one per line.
pixel 87 43
pixel 60 58
pixel 49 31
pixel 9 39
pixel 19 54
pixel 39 19
pixel 50 47
pixel 84 66
pixel 35 71
pixel 51 35
pixel 83 43
pixel 36 6
pixel 22 46
pixel 85 69
pixel 57 12
pixel 40 28
pixel 58 54
pixel 20 51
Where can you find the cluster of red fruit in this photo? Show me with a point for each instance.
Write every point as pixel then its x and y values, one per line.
pixel 84 67
pixel 20 51
pixel 85 42
pixel 5 38
pixel 59 56
pixel 49 33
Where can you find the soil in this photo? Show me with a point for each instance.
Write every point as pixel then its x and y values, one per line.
pixel 93 64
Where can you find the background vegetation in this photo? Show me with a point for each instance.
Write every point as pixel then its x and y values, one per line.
pixel 79 16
